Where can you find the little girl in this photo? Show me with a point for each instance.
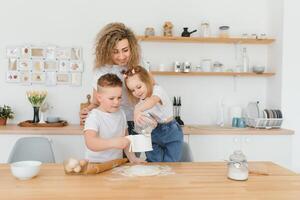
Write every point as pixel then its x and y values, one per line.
pixel 152 99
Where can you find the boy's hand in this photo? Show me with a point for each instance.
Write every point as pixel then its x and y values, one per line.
pixel 121 142
pixel 136 160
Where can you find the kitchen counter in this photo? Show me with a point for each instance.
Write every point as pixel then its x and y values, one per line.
pixel 188 130
pixel 190 181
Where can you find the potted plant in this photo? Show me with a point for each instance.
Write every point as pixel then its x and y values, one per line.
pixel 5 113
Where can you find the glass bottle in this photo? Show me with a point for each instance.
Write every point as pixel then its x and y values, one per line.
pixel 245 61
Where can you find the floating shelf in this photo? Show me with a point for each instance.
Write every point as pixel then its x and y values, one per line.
pixel 170 73
pixel 205 40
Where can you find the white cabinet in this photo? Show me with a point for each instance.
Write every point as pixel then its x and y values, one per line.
pixel 275 148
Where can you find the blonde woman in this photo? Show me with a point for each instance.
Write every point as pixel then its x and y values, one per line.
pixel 116 49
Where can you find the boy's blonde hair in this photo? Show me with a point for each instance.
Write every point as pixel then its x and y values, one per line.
pixel 108 80
pixel 107 39
pixel 144 76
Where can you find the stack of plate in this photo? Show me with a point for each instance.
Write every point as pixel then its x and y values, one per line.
pixel 272 118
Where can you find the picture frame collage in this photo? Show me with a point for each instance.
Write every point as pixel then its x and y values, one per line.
pixel 48 65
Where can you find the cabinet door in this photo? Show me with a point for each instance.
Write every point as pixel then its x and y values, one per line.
pixel 256 148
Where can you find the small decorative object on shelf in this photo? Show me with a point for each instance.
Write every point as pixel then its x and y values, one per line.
pixel 168 26
pixel 5 113
pixel 36 98
pixel 186 33
pixel 149 31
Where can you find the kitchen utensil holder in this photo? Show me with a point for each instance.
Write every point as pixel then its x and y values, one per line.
pixel 264 122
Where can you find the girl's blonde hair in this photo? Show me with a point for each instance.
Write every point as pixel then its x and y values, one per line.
pixel 106 40
pixel 144 76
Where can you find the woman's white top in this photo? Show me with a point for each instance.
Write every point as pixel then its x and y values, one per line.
pixel 126 105
pixel 107 125
pixel 161 112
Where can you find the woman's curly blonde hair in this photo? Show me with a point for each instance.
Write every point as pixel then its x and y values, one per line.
pixel 106 40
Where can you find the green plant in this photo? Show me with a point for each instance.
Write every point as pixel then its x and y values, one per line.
pixel 6 112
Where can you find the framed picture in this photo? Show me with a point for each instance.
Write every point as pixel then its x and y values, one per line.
pixel 38 77
pixel 37 52
pixel 63 65
pixel 25 78
pixel 76 53
pixel 76 66
pixel 50 65
pixel 24 64
pixel 25 52
pixel 12 64
pixel 50 52
pixel 62 78
pixel 12 52
pixel 38 65
pixel 63 53
pixel 50 78
pixel 75 79
pixel 13 76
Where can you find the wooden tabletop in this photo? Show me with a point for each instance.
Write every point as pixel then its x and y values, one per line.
pixel 74 129
pixel 190 181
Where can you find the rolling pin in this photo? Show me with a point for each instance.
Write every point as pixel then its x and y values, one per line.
pixel 84 105
pixel 95 168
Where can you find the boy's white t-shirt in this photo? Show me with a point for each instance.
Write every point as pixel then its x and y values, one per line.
pixel 107 125
pixel 161 112
pixel 117 70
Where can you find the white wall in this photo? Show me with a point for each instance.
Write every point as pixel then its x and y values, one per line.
pixel 76 22
pixel 290 75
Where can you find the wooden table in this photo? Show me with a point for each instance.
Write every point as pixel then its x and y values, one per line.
pixel 191 181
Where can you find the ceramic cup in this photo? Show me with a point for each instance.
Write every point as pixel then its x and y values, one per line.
pixel 140 143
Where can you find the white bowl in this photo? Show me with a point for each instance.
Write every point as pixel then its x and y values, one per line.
pixel 25 170
pixel 258 69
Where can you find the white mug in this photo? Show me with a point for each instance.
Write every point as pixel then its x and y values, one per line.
pixel 140 143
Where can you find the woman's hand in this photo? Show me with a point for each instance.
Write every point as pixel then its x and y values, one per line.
pixel 83 115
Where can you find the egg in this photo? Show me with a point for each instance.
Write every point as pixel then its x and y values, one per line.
pixel 82 163
pixel 77 169
pixel 68 169
pixel 72 163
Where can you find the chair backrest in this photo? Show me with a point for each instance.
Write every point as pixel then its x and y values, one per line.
pixel 186 154
pixel 32 148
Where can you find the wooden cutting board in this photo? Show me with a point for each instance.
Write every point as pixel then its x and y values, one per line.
pixel 86 104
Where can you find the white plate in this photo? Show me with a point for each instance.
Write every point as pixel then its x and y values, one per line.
pixel 252 110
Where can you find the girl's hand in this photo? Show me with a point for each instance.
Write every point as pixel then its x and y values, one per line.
pixel 138 117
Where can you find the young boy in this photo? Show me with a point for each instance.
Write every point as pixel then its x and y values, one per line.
pixel 106 127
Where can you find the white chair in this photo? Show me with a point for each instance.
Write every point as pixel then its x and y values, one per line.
pixel 186 154
pixel 32 148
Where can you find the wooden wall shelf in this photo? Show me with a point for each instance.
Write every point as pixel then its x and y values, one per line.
pixel 230 40
pixel 170 73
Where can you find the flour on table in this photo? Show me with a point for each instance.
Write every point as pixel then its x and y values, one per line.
pixel 143 170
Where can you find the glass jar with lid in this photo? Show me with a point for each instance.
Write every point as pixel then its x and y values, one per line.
pixel 224 31
pixel 238 166
pixel 205 30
